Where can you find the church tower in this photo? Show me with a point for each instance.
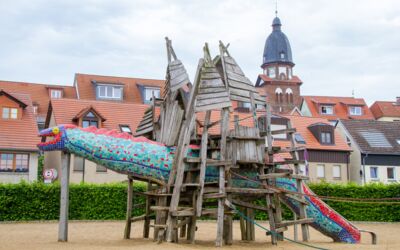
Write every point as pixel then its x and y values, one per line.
pixel 277 81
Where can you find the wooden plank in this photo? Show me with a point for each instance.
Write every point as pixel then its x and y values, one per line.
pixel 239 78
pixel 240 85
pixel 246 138
pixel 296 198
pixel 248 190
pixel 293 222
pixel 210 75
pixel 249 205
pixel 146 225
pixel 174 63
pixel 283 131
pixel 213 196
pixel 282 175
pixel 64 198
pixel 213 106
pixel 213 95
pixel 138 218
pixel 177 72
pixel 183 213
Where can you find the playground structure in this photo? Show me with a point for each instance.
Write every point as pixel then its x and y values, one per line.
pixel 193 173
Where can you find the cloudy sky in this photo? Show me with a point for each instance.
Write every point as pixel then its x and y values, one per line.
pixel 338 46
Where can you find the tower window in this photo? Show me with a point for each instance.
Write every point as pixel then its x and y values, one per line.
pixel 282 55
pixel 272 72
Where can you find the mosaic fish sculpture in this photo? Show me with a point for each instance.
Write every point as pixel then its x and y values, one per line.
pixel 145 159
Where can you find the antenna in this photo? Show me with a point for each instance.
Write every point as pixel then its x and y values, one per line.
pixel 352 92
pixel 276 8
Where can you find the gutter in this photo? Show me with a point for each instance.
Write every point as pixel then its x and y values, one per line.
pixel 363 166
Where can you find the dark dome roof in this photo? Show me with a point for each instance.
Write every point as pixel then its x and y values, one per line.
pixel 277 47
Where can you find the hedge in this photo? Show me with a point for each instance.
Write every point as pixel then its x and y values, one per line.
pixel 38 201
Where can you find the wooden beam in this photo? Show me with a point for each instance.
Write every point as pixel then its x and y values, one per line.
pixel 64 198
pixel 127 233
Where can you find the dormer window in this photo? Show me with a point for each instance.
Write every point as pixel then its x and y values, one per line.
pixel 109 92
pixel 282 55
pixel 90 120
pixel 355 110
pixel 326 110
pixel 55 93
pixel 10 113
pixel 326 138
pixel 149 92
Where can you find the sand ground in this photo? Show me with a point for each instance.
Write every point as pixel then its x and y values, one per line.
pixel 108 235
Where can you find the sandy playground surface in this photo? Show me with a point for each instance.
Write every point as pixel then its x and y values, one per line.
pixel 109 235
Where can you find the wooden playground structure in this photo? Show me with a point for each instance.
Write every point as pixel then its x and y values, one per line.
pixel 173 209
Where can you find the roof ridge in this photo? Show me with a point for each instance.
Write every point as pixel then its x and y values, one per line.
pixel 137 78
pixel 98 101
pixel 35 83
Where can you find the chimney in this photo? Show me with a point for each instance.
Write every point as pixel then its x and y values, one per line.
pixel 398 100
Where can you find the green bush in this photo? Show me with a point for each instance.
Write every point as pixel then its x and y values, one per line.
pixel 39 201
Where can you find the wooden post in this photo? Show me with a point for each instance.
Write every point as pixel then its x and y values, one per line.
pixel 146 225
pixel 221 201
pixel 64 198
pixel 127 233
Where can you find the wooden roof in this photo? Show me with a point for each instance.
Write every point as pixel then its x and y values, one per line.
pixel 212 93
pixel 239 85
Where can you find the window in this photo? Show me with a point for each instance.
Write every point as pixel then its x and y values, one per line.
pixel 109 92
pixel 244 105
pixel 398 141
pixel 326 138
pixel 321 171
pixel 299 138
pixel 125 128
pixel 282 54
pixel 337 173
pixel 100 169
pixel 373 172
pixel 327 110
pixel 272 72
pixel 390 173
pixel 55 93
pixel 260 107
pixel 35 109
pixel 78 164
pixel 148 94
pixel 278 94
pixel 10 113
pixel 90 120
pixel 10 162
pixel 289 95
pixel 355 110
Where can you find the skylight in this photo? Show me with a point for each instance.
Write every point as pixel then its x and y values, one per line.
pixel 375 139
pixel 299 139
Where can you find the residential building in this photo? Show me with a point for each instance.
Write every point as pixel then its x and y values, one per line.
pixel 277 81
pixel 18 138
pixel 326 153
pixel 375 148
pixel 117 89
pixel 333 108
pixel 40 95
pixel 123 117
pixel 386 111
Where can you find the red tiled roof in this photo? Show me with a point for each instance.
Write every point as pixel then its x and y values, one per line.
pixel 131 93
pixel 341 107
pixel 295 79
pixel 39 93
pixel 20 134
pixel 389 109
pixel 301 124
pixel 64 111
